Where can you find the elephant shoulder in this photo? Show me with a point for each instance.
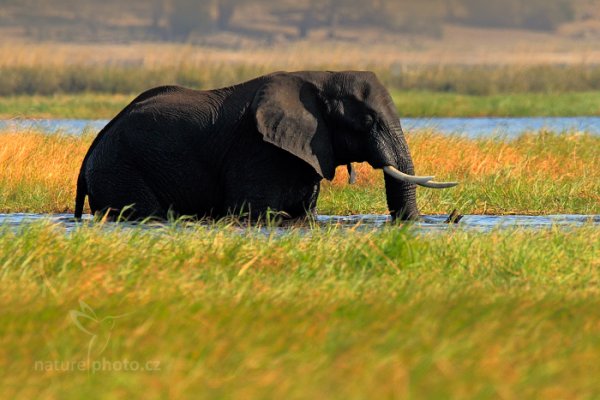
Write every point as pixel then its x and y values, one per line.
pixel 165 97
pixel 158 92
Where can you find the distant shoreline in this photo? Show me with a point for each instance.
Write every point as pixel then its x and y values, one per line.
pixel 410 104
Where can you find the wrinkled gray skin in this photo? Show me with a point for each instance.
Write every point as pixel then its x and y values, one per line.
pixel 263 144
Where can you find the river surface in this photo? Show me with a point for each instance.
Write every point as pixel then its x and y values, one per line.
pixel 467 127
pixel 429 224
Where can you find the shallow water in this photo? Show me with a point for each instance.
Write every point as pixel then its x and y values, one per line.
pixel 429 224
pixel 481 223
pixel 503 127
pixel 468 127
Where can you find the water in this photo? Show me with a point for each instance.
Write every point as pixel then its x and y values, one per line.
pixel 504 127
pixel 468 127
pixel 69 126
pixel 429 224
pixel 480 223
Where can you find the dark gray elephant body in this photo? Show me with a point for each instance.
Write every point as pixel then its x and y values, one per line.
pixel 264 144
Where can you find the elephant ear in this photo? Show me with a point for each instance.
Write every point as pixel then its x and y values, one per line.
pixel 288 116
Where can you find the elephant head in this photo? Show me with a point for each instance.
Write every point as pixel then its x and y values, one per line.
pixel 329 119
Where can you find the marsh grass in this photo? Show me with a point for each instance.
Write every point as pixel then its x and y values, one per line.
pixel 123 79
pixel 336 313
pixel 39 171
pixel 537 173
pixel 47 69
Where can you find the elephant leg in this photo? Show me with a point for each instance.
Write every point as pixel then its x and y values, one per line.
pixel 267 178
pixel 306 205
pixel 256 199
pixel 123 194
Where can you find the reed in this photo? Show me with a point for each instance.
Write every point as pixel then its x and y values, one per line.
pixel 52 68
pixel 474 80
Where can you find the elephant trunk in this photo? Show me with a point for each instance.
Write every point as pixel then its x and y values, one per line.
pixel 392 155
pixel 400 178
pixel 401 195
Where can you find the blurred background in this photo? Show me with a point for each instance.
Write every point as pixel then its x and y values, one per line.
pixel 462 46
pixel 222 22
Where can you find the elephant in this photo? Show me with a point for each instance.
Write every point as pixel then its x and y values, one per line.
pixel 261 145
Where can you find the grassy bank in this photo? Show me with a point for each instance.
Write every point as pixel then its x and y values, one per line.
pixel 435 104
pixel 477 79
pixel 540 173
pixel 409 104
pixel 338 314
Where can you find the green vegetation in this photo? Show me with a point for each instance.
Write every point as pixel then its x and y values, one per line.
pixel 430 104
pixel 82 106
pixel 474 80
pixel 495 79
pixel 335 313
pixel 409 103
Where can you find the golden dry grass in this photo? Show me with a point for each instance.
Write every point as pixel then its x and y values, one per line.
pixel 36 164
pixel 470 160
pixel 538 173
pixel 465 61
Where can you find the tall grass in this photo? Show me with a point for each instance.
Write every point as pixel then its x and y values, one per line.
pixel 50 69
pixel 474 80
pixel 335 313
pixel 538 173
pixel 409 104
pixel 38 171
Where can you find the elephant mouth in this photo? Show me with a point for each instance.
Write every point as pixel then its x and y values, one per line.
pixel 425 181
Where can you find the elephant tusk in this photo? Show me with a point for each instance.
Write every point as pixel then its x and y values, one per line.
pixel 351 174
pixel 401 176
pixel 425 181
pixel 438 185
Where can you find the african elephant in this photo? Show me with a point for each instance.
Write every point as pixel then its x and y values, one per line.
pixel 260 145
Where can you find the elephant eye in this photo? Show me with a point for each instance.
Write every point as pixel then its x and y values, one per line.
pixel 368 121
pixel 337 108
